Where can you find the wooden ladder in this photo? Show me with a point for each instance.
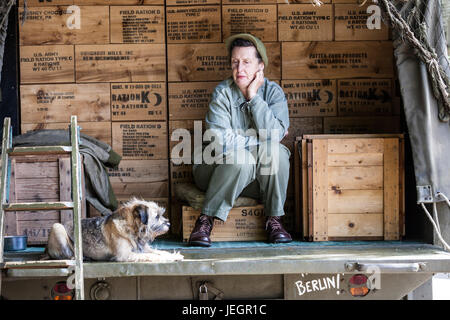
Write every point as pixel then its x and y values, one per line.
pixel 75 205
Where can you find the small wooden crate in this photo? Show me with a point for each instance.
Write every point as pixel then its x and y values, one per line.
pixel 243 224
pixel 352 186
pixel 39 178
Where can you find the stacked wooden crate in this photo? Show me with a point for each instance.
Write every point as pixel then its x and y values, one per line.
pixel 352 186
pixel 137 70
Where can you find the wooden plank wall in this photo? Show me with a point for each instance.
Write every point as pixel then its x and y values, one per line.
pixel 137 70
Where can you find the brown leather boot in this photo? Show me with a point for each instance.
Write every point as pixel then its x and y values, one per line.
pixel 202 231
pixel 276 232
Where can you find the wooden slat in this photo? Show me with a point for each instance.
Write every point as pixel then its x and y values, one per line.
pixel 310 188
pixel 10 216
pixel 39 150
pixel 355 201
pixel 37 231
pixel 361 178
pixel 43 103
pixel 355 145
pixel 337 59
pixel 49 25
pixel 65 188
pixel 361 125
pixel 120 63
pixel 355 225
pixel 141 189
pixel 304 179
pixel 355 159
pixel 391 190
pixel 32 170
pixel 320 180
pixel 31 190
pixel 32 206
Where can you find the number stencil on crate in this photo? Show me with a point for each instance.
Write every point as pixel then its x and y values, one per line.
pixel 243 224
pixel 189 24
pixel 310 98
pixel 138 101
pixel 140 140
pixel 364 97
pixel 259 20
pixel 304 22
pixel 137 24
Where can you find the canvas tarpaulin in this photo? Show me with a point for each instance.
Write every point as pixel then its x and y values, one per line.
pixel 429 133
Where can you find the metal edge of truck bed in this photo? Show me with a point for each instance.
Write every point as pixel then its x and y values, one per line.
pixel 398 258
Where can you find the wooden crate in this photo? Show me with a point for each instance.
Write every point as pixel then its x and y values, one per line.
pixel 140 178
pixel 305 22
pixel 138 101
pixel 57 102
pixel 50 25
pixel 352 186
pixel 259 20
pixel 190 100
pixel 351 23
pixel 243 224
pixel 364 97
pixel 310 98
pixel 191 24
pixel 140 140
pixel 337 59
pixel 37 178
pixel 47 64
pixel 137 24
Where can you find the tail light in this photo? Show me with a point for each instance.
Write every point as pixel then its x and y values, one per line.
pixel 60 291
pixel 358 285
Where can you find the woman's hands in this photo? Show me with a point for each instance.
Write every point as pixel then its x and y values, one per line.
pixel 253 87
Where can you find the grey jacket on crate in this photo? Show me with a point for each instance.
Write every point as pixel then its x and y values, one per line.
pixel 97 155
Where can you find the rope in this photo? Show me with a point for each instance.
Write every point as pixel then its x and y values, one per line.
pixel 436 228
pixel 9 5
pixel 424 51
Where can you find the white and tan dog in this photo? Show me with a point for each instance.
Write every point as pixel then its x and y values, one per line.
pixel 122 236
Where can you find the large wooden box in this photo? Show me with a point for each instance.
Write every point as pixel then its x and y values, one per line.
pixel 351 186
pixel 243 224
pixel 39 178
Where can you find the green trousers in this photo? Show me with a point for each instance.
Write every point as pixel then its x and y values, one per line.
pixel 261 173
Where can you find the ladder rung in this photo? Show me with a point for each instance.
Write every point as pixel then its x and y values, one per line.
pixel 33 206
pixel 39 150
pixel 38 264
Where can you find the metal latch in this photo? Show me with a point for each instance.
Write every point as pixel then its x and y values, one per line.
pixel 205 288
pixel 424 194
